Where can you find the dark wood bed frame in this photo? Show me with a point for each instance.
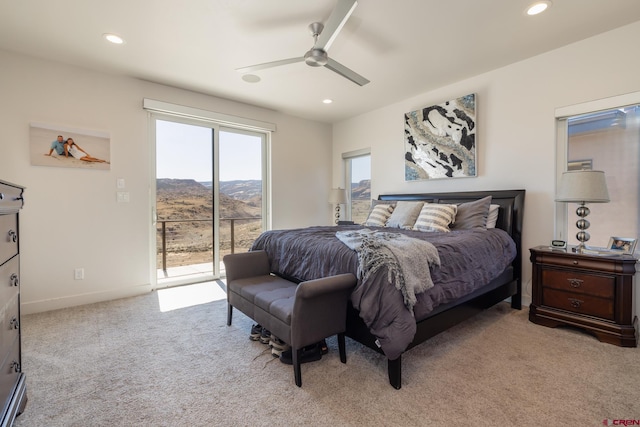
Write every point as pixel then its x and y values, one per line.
pixel 508 285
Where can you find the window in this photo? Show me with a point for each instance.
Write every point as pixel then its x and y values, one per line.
pixel 608 140
pixel 358 184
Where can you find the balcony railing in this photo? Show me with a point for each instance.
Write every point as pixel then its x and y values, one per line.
pixel 205 244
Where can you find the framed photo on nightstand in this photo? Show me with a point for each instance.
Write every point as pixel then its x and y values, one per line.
pixel 626 245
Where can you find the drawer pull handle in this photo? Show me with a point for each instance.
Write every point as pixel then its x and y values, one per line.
pixel 1 196
pixel 15 323
pixel 13 236
pixel 14 280
pixel 575 283
pixel 575 303
pixel 15 366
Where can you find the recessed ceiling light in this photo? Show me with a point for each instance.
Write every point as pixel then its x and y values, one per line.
pixel 113 38
pixel 250 78
pixel 538 7
pixel 327 101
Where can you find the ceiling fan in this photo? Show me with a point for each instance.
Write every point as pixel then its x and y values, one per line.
pixel 324 36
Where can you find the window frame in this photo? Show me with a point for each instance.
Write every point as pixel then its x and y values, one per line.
pixel 562 114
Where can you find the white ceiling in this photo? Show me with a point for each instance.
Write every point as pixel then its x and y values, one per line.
pixel 405 47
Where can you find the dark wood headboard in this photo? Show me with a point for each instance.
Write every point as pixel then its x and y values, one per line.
pixel 510 215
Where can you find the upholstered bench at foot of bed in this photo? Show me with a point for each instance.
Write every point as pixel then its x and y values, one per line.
pixel 300 315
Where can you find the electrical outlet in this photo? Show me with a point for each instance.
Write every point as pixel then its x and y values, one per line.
pixel 78 274
pixel 123 196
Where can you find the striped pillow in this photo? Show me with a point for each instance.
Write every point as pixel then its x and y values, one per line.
pixel 379 215
pixel 435 217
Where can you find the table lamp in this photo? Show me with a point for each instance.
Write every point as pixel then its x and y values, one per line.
pixel 582 187
pixel 338 196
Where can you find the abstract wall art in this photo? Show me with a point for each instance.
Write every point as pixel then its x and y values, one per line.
pixel 440 140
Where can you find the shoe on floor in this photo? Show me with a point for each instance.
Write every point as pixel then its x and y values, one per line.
pixel 323 347
pixel 265 336
pixel 310 353
pixel 277 346
pixel 256 331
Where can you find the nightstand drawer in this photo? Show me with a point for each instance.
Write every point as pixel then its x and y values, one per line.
pixel 581 262
pixel 579 283
pixel 579 303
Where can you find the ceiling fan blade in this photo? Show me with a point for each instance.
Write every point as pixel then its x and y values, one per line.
pixel 258 67
pixel 345 72
pixel 334 24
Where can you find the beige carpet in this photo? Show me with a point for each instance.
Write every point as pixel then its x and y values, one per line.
pixel 129 363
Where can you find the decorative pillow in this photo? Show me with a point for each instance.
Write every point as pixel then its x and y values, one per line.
pixel 379 215
pixel 472 214
pixel 404 215
pixel 435 217
pixel 492 218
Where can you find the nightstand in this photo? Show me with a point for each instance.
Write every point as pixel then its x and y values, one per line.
pixel 592 292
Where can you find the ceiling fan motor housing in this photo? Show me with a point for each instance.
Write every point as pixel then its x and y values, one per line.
pixel 316 57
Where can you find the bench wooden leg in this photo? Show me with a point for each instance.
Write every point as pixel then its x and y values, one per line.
pixel 229 314
pixel 342 348
pixel 394 368
pixel 296 356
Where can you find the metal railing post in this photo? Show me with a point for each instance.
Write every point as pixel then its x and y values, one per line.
pixel 164 246
pixel 232 224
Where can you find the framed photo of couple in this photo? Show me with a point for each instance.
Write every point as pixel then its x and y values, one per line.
pixel 625 245
pixel 60 146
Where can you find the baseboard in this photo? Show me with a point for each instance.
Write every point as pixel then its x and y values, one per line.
pixel 82 299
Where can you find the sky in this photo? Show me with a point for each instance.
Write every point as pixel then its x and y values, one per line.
pixel 185 152
pixel 360 168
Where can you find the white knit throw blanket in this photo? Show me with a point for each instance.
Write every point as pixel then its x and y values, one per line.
pixel 407 259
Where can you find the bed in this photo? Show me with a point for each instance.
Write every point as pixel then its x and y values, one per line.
pixel 476 268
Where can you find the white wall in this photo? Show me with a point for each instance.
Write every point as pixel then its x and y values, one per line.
pixel 71 218
pixel 515 115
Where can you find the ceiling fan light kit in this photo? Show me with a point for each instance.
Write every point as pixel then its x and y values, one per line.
pixel 323 35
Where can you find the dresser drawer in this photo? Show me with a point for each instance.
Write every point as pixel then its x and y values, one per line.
pixel 579 283
pixel 10 197
pixel 9 323
pixel 10 369
pixel 8 236
pixel 9 279
pixel 579 303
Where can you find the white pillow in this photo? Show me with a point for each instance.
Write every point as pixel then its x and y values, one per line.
pixel 492 218
pixel 379 215
pixel 435 217
pixel 405 214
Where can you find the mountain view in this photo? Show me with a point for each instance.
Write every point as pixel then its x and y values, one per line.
pixel 185 208
pixel 360 200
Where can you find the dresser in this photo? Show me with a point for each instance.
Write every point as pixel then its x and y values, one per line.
pixel 13 396
pixel 591 292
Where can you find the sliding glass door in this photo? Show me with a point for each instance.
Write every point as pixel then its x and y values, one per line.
pixel 209 196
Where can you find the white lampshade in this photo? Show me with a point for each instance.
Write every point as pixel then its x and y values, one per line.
pixel 338 196
pixel 583 186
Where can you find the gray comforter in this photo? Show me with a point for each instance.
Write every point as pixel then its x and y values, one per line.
pixel 469 259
